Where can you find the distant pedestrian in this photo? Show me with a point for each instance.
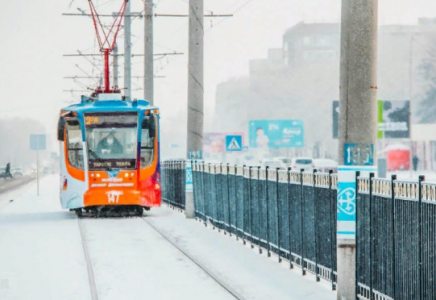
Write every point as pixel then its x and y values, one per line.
pixel 8 171
pixel 415 161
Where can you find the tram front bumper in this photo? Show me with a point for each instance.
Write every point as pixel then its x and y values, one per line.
pixel 95 197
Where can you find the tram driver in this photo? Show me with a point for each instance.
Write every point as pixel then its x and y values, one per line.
pixel 110 145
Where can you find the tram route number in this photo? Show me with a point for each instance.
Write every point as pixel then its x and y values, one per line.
pixel 91 120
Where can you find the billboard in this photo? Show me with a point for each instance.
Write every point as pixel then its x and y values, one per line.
pixel 214 143
pixel 276 134
pixel 393 119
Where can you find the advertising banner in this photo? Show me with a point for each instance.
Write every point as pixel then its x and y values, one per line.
pixel 393 119
pixel 266 134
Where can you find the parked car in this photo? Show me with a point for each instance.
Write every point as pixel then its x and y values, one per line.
pixel 325 165
pixel 303 163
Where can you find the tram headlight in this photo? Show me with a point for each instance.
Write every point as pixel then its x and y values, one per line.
pixel 126 175
pixel 98 175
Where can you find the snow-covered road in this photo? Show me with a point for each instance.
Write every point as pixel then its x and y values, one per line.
pixel 163 256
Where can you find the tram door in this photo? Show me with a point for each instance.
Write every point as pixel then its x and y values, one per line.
pixel 73 165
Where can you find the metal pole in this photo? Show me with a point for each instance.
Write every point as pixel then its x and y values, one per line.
pixel 37 172
pixel 115 66
pixel 148 51
pixel 358 119
pixel 410 108
pixel 127 53
pixel 195 89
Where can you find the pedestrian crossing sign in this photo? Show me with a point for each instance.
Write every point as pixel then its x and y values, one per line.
pixel 233 143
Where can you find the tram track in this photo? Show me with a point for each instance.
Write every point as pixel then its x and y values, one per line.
pixel 196 262
pixel 91 277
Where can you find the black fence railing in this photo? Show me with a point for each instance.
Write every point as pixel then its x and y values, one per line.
pixel 291 214
pixel 173 182
pixel 396 239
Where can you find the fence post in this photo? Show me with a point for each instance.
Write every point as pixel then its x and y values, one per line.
pixel 357 233
pixel 236 201
pixel 421 248
pixel 204 194
pixel 315 214
pixel 332 233
pixel 228 200
pixel 216 193
pixel 267 212
pixel 291 265
pixel 303 271
pixel 258 206
pixel 371 176
pixel 278 214
pixel 393 178
pixel 251 207
pixel 243 206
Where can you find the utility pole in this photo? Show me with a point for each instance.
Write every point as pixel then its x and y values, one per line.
pixel 127 53
pixel 115 66
pixel 357 122
pixel 148 52
pixel 195 93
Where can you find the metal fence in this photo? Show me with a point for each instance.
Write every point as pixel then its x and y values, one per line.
pixel 396 239
pixel 291 214
pixel 173 182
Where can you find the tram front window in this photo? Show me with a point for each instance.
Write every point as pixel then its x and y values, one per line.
pixel 112 144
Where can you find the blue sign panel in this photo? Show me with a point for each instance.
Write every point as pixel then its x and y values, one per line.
pixel 233 143
pixel 188 182
pixel 276 133
pixel 37 142
pixel 195 154
pixel 358 155
pixel 346 199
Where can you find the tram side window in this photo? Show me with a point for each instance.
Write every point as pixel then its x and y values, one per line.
pixel 75 150
pixel 147 149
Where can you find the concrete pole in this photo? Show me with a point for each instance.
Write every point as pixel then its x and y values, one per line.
pixel 115 66
pixel 195 91
pixel 148 52
pixel 358 107
pixel 127 54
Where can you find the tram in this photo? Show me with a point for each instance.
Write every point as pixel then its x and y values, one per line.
pixel 109 155
pixel 109 144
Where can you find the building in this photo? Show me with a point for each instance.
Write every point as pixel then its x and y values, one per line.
pixel 301 80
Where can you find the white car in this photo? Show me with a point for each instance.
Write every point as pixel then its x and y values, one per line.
pixel 286 161
pixel 325 165
pixel 272 163
pixel 303 163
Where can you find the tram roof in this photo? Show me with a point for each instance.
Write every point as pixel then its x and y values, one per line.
pixel 109 106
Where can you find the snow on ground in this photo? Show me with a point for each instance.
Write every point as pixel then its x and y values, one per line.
pixel 132 261
pixel 250 275
pixel 41 256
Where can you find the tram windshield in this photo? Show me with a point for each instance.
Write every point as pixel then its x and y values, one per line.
pixel 112 140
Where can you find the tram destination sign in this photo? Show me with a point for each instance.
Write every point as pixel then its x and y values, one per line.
pixel 112 164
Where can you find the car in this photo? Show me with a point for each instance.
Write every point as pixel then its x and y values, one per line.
pixel 17 172
pixel 286 161
pixel 325 165
pixel 303 163
pixel 272 163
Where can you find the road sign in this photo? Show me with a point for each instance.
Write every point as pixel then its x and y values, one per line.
pixel 276 133
pixel 233 143
pixel 38 142
pixel 358 155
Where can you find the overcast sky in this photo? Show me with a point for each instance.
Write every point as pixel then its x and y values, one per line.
pixel 34 35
